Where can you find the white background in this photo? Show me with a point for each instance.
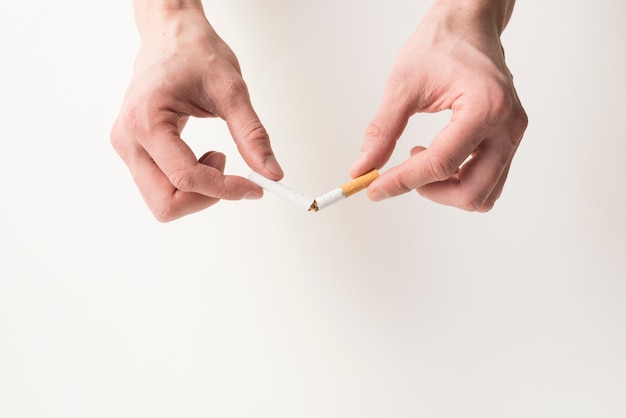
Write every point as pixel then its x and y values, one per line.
pixel 254 309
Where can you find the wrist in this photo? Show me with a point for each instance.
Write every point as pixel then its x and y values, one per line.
pixel 491 16
pixel 159 15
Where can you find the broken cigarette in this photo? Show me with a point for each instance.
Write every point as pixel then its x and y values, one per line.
pixel 313 205
pixel 347 190
pixel 280 189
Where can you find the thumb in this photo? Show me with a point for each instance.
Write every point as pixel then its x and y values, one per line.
pixel 253 141
pixel 381 135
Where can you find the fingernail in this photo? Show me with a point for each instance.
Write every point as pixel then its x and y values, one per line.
pixel 253 196
pixel 272 165
pixel 377 195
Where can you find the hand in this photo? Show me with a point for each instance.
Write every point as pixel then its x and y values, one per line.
pixel 454 60
pixel 184 69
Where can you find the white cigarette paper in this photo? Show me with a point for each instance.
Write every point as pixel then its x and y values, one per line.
pixel 347 190
pixel 280 190
pixel 313 205
pixel 327 199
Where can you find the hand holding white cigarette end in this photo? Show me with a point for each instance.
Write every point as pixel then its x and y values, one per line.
pixel 315 204
pixel 184 69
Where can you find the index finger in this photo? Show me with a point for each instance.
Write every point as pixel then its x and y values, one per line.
pixel 179 164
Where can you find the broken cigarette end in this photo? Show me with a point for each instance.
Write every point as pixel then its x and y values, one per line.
pixel 359 183
pixel 314 206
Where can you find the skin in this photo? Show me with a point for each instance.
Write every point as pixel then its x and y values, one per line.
pixel 454 60
pixel 184 69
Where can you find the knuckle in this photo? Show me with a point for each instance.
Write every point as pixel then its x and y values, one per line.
pixel 441 167
pixel 503 105
pixel 402 183
pixel 193 179
pixel 374 128
pixel 480 201
pixel 164 208
pixel 130 124
pixel 378 130
pixel 487 206
pixel 220 190
pixel 383 129
pixel 490 202
pixel 255 132
pixel 132 118
pixel 474 203
pixel 117 141
pixel 165 214
pixel 520 123
pixel 500 104
pixel 182 179
pixel 404 79
pixel 233 90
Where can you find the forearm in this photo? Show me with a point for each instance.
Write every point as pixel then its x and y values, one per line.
pixel 154 14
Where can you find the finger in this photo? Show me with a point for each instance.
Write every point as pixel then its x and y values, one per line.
pixel 438 163
pixel 214 159
pixel 182 123
pixel 479 181
pixel 417 149
pixel 252 139
pixel 162 198
pixel 381 134
pixel 496 192
pixel 178 163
